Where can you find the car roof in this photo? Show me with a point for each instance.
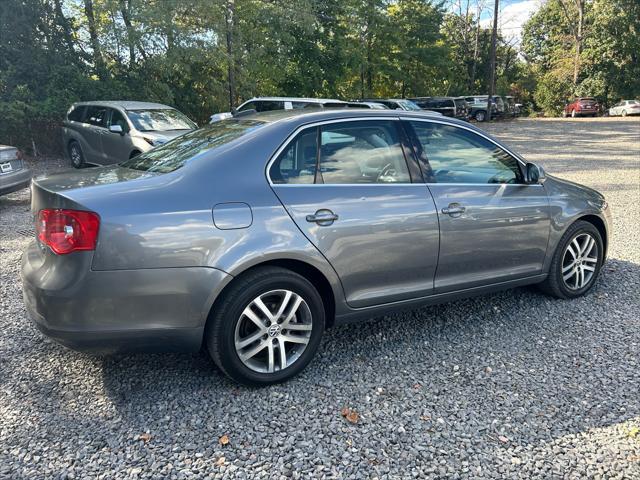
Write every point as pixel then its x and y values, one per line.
pixel 126 104
pixel 294 99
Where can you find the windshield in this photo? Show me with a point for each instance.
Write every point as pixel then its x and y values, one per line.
pixel 160 120
pixel 174 154
pixel 633 102
pixel 408 105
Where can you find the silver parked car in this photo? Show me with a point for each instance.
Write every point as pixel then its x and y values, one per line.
pixel 102 133
pixel 255 234
pixel 268 104
pixel 625 107
pixel 14 174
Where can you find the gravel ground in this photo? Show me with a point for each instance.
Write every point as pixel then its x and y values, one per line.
pixel 511 385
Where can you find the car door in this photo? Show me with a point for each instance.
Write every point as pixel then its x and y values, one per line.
pixel 493 226
pixel 116 146
pixel 94 126
pixel 348 187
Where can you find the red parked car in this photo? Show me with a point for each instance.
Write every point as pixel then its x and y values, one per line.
pixel 582 106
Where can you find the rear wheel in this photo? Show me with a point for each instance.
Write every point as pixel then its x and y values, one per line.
pixel 573 114
pixel 480 116
pixel 266 327
pixel 576 262
pixel 76 155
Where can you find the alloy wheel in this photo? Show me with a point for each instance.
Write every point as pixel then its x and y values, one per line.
pixel 579 261
pixel 76 156
pixel 273 331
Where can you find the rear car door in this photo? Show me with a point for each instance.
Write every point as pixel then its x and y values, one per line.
pixel 94 126
pixel 348 187
pixel 493 226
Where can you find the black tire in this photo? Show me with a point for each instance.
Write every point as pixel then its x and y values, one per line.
pixel 624 113
pixel 76 155
pixel 221 326
pixel 480 116
pixel 554 284
pixel 135 153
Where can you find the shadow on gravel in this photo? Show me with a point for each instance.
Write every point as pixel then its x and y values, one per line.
pixel 513 357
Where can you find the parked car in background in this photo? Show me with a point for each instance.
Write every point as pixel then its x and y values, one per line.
pixel 396 103
pixel 625 107
pixel 478 107
pixel 14 173
pixel 447 106
pixel 253 235
pixel 511 107
pixel 371 105
pixel 268 104
pixel 582 106
pixel 102 133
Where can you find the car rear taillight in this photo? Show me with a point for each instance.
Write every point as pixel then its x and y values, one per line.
pixel 66 231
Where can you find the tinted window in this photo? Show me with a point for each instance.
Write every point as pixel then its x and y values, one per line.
pixel 297 162
pixel 362 152
pixel 456 155
pixel 96 116
pixel 174 154
pixel 262 106
pixel 76 114
pixel 433 103
pixel 118 119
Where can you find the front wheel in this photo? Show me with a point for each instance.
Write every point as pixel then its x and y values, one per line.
pixel 573 114
pixel 624 113
pixel 480 116
pixel 576 262
pixel 76 155
pixel 266 327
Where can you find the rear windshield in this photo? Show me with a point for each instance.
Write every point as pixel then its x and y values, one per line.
pixel 160 120
pixel 174 154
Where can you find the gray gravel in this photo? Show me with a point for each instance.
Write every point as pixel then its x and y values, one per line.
pixel 512 385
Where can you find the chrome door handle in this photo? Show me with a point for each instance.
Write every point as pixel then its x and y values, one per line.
pixel 454 209
pixel 322 217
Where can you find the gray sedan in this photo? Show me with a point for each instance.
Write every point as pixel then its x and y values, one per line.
pixel 14 174
pixel 255 234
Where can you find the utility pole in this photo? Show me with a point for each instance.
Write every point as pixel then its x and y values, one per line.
pixel 492 63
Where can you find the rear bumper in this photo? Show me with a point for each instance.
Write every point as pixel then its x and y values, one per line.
pixel 117 311
pixel 12 182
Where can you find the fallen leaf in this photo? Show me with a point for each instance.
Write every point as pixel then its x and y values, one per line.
pixel 145 437
pixel 223 440
pixel 633 432
pixel 220 462
pixel 417 386
pixel 351 415
pixel 425 417
pixel 503 439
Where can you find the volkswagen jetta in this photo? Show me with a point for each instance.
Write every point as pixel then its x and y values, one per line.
pixel 253 235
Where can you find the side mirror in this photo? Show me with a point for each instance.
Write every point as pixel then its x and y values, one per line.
pixel 535 173
pixel 116 129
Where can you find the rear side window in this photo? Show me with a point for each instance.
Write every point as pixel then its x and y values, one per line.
pixel 456 155
pixel 77 113
pixel 174 154
pixel 262 106
pixel 96 116
pixel 362 152
pixel 297 162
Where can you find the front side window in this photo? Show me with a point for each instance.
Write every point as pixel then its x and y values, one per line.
pixel 117 118
pixel 362 152
pixel 456 155
pixel 267 105
pixel 77 113
pixel 159 120
pixel 174 154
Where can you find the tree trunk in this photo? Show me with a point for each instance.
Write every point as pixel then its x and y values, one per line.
pixel 476 48
pixel 62 20
pixel 95 43
pixel 230 19
pixel 125 11
pixel 578 38
pixel 492 62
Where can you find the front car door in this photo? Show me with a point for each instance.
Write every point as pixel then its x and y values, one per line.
pixel 493 226
pixel 348 187
pixel 117 147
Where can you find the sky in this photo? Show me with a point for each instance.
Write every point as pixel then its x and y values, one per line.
pixel 512 16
